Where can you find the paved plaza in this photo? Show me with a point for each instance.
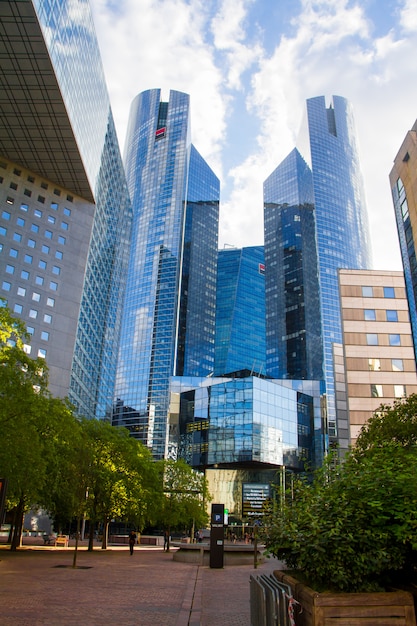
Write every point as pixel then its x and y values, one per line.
pixel 38 586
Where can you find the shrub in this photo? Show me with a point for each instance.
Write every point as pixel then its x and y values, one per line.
pixel 352 528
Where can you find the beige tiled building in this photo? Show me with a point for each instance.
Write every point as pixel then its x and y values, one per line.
pixel 403 181
pixel 377 365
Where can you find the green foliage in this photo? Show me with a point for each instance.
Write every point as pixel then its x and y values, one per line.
pixel 185 493
pixel 353 528
pixel 72 467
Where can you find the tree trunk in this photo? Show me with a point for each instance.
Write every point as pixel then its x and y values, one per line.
pixel 77 535
pixel 91 536
pixel 105 534
pixel 18 526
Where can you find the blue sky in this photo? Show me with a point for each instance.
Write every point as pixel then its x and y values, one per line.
pixel 249 66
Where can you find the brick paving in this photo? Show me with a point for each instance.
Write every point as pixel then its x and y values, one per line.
pixel 39 586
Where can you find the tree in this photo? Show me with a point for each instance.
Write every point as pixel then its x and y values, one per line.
pixel 354 527
pixel 119 476
pixel 185 495
pixel 396 423
pixel 28 416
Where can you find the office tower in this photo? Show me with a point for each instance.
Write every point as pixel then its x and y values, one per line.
pixel 403 181
pixel 294 342
pixel 240 311
pixel 65 210
pixel 341 228
pixel 169 318
pixel 378 355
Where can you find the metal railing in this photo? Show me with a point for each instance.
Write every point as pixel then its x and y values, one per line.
pixel 271 602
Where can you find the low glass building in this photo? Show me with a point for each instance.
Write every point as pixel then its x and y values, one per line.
pixel 244 420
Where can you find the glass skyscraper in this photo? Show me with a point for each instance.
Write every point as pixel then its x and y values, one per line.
pixel 66 213
pixel 294 342
pixel 341 221
pixel 240 311
pixel 169 316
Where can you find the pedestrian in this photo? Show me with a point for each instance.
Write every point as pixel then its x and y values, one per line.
pixel 132 541
pixel 166 541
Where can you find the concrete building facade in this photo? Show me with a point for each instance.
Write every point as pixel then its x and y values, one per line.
pixel 377 365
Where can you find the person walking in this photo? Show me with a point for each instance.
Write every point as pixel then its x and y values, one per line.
pixel 166 541
pixel 132 541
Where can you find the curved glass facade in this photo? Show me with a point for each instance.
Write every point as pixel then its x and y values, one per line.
pixel 169 313
pixel 341 219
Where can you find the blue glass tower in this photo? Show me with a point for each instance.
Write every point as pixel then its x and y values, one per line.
pixel 240 311
pixel 169 317
pixel 69 220
pixel 341 220
pixel 294 342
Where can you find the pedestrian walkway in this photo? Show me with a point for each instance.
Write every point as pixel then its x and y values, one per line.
pixel 39 586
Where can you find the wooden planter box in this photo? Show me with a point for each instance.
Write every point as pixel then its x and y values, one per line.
pixel 350 609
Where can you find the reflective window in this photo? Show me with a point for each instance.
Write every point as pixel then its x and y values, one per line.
pixel 389 292
pixel 376 391
pixel 392 316
pixel 369 314
pixel 374 365
pixel 397 365
pixel 399 391
pixel 372 339
pixel 367 292
pixel 394 340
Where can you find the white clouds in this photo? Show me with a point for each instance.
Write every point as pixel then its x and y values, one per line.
pixel 408 16
pixel 331 52
pixel 229 34
pixel 212 50
pixel 161 43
